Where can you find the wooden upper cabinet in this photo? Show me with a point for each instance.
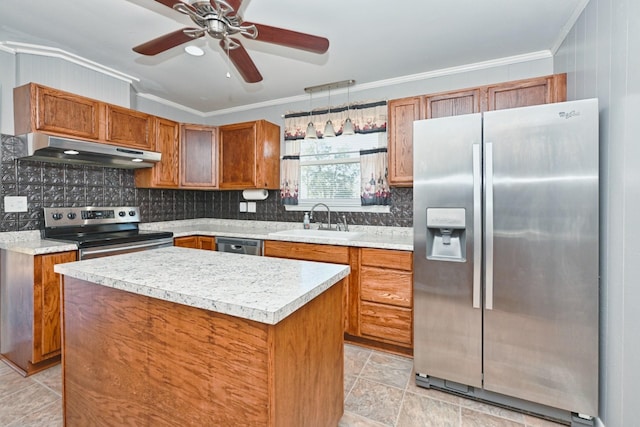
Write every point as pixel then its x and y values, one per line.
pixel 524 93
pixel 198 157
pixel 164 174
pixel 40 108
pixel 249 155
pixel 401 114
pixel 452 103
pixel 128 128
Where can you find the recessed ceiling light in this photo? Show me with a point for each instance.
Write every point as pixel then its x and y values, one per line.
pixel 194 50
pixel 71 152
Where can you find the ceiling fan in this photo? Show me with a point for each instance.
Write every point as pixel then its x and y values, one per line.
pixel 220 20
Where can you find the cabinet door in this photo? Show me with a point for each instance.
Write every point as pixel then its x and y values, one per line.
pixel 166 141
pixel 198 157
pixel 207 243
pixel 186 242
pixel 402 113
pixel 238 156
pixel 54 111
pixel 128 128
pixel 523 93
pixel 196 242
pixel 46 307
pixel 452 103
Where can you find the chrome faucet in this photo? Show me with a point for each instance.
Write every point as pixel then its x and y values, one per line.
pixel 320 227
pixel 344 226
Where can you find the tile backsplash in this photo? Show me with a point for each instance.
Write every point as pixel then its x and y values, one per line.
pixel 56 184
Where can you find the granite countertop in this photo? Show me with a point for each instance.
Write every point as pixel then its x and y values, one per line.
pixel 262 289
pixel 398 238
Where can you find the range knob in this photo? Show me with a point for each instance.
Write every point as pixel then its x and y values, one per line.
pixel 132 213
pixel 56 216
pixel 71 215
pixel 122 213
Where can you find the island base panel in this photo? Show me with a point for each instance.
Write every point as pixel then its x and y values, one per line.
pixel 134 360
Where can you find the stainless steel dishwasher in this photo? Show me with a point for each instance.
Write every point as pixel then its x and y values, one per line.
pixel 239 246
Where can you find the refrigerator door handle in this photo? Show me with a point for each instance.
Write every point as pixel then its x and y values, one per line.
pixel 477 225
pixel 488 226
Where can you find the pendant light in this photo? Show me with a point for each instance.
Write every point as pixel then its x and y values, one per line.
pixel 329 131
pixel 347 127
pixel 311 129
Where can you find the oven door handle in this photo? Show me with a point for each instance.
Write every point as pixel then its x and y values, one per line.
pixel 123 248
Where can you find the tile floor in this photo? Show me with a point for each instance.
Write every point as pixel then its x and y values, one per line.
pixel 379 391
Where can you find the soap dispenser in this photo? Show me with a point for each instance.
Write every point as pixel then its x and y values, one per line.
pixel 306 224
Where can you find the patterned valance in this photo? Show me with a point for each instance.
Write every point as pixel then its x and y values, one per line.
pixel 366 117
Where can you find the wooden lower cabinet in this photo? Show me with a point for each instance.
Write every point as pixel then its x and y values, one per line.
pixel 378 294
pixel 386 295
pixel 31 326
pixel 140 361
pixel 196 242
pixel 321 253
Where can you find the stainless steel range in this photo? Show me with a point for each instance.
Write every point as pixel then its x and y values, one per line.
pixel 102 231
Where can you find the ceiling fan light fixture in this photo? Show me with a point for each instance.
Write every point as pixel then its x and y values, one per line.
pixel 193 50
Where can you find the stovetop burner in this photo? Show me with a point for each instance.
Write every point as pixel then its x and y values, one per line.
pixel 97 226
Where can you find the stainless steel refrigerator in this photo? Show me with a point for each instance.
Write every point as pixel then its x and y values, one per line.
pixel 506 257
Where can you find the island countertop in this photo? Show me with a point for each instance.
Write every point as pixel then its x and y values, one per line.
pixel 262 289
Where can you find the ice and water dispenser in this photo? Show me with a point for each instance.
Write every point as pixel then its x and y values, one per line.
pixel 446 234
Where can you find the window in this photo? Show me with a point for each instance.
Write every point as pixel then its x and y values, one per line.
pixel 330 170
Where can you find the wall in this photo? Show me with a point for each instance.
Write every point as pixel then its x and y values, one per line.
pixel 86 186
pixel 601 55
pixel 51 184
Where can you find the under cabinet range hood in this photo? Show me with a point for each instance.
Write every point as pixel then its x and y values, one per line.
pixel 49 148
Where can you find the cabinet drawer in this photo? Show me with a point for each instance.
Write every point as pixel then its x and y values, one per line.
pixel 386 286
pixel 307 251
pixel 386 322
pixel 385 258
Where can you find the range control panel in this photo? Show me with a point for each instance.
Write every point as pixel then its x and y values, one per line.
pixel 67 217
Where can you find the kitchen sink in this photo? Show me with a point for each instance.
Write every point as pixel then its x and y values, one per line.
pixel 319 234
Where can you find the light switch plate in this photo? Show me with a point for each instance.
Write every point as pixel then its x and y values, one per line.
pixel 251 206
pixel 243 206
pixel 15 203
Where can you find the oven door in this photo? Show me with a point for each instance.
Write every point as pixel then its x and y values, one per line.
pixel 123 248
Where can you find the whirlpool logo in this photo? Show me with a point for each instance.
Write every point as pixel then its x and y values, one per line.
pixel 568 115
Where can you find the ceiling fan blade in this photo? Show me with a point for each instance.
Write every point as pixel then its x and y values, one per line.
pixel 243 62
pixel 169 3
pixel 166 42
pixel 235 4
pixel 290 38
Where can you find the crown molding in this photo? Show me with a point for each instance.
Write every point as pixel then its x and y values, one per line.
pixel 52 52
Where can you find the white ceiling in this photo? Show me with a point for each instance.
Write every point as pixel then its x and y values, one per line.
pixel 370 41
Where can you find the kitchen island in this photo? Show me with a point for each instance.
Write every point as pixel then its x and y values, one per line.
pixel 179 336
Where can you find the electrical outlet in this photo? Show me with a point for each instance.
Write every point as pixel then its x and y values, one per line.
pixel 15 203
pixel 243 206
pixel 251 206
